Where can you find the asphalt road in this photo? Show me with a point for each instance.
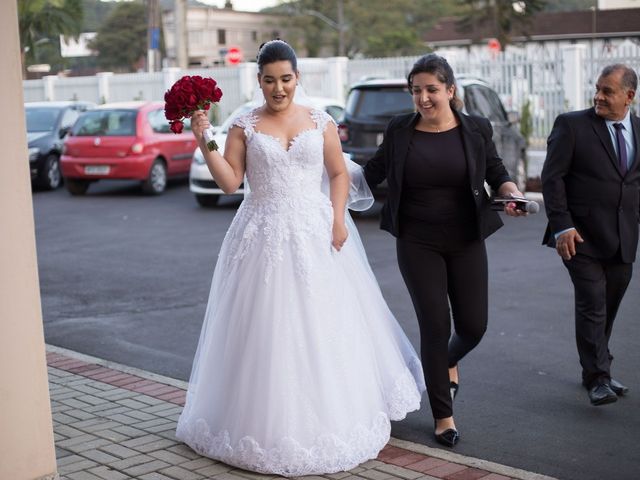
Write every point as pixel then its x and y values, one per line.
pixel 125 277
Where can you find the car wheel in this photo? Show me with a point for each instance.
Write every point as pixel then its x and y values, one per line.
pixel 76 187
pixel 50 178
pixel 207 200
pixel 156 182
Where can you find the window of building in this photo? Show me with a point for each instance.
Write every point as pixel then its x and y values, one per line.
pixel 254 36
pixel 222 36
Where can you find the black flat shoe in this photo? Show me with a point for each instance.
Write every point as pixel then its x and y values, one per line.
pixel 448 438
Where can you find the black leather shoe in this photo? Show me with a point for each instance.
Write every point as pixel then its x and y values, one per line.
pixel 448 438
pixel 601 394
pixel 618 388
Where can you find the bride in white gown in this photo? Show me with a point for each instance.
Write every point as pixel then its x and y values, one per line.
pixel 300 365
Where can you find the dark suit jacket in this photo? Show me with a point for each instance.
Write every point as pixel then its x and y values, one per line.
pixel 583 187
pixel 483 164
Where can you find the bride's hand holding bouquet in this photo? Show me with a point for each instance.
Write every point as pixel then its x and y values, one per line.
pixel 187 96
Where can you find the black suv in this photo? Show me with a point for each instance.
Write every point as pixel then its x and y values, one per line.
pixel 372 103
pixel 47 124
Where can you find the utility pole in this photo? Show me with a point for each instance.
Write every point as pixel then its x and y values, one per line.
pixel 341 29
pixel 180 13
pixel 153 36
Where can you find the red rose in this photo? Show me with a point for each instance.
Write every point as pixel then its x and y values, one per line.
pixel 176 126
pixel 187 95
pixel 202 89
pixel 171 112
pixel 216 95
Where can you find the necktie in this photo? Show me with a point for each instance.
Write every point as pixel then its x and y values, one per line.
pixel 622 147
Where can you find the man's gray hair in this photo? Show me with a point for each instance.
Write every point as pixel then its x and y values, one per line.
pixel 629 77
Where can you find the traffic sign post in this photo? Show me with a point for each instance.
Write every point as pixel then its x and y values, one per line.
pixel 233 56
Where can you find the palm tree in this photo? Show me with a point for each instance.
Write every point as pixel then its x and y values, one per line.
pixel 41 21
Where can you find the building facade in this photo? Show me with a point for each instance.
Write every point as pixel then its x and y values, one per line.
pixel 212 32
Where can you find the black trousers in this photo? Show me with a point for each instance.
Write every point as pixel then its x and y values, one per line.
pixel 599 286
pixel 438 274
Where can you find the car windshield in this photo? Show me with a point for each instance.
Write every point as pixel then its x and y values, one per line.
pixel 41 119
pixel 383 102
pixel 111 123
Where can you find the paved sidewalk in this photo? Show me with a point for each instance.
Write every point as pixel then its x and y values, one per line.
pixel 113 422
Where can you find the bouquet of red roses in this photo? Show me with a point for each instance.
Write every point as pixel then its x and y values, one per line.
pixel 187 95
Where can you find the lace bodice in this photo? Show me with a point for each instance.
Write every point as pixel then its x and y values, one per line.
pixel 275 174
pixel 285 203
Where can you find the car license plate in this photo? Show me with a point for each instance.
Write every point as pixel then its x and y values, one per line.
pixel 97 169
pixel 379 139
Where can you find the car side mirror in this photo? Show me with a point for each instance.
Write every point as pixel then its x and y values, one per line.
pixel 64 131
pixel 513 116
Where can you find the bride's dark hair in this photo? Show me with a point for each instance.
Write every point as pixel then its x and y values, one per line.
pixel 275 51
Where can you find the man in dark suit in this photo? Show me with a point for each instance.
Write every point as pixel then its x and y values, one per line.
pixel 591 188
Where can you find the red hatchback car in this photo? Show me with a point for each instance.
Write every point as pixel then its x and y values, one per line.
pixel 129 141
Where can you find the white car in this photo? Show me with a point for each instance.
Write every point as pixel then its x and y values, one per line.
pixel 202 184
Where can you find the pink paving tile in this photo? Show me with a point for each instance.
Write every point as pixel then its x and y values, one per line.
pixel 428 463
pixel 65 364
pixel 156 389
pixel 176 395
pixel 444 471
pixel 96 371
pixel 81 369
pixel 389 452
pixel 105 375
pixel 128 380
pixel 114 376
pixel 406 459
pixel 469 474
pixel 52 357
pixel 138 386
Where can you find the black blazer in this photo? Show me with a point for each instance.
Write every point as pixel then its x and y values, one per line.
pixel 483 164
pixel 583 186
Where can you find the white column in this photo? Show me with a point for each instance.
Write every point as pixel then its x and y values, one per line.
pixel 49 82
pixel 339 77
pixel 573 76
pixel 248 79
pixel 103 86
pixel 26 429
pixel 169 76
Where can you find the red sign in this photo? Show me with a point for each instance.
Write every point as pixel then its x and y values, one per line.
pixel 234 55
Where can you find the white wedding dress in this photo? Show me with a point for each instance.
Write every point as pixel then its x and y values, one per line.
pixel 300 365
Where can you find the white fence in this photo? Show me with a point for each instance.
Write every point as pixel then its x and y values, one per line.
pixel 553 80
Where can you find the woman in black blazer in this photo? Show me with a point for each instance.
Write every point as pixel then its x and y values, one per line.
pixel 435 162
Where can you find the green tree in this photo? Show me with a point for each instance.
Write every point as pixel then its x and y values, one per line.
pixel 371 27
pixel 41 22
pixel 121 40
pixel 503 17
pixel 526 121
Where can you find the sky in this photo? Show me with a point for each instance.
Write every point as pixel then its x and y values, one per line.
pixel 244 5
